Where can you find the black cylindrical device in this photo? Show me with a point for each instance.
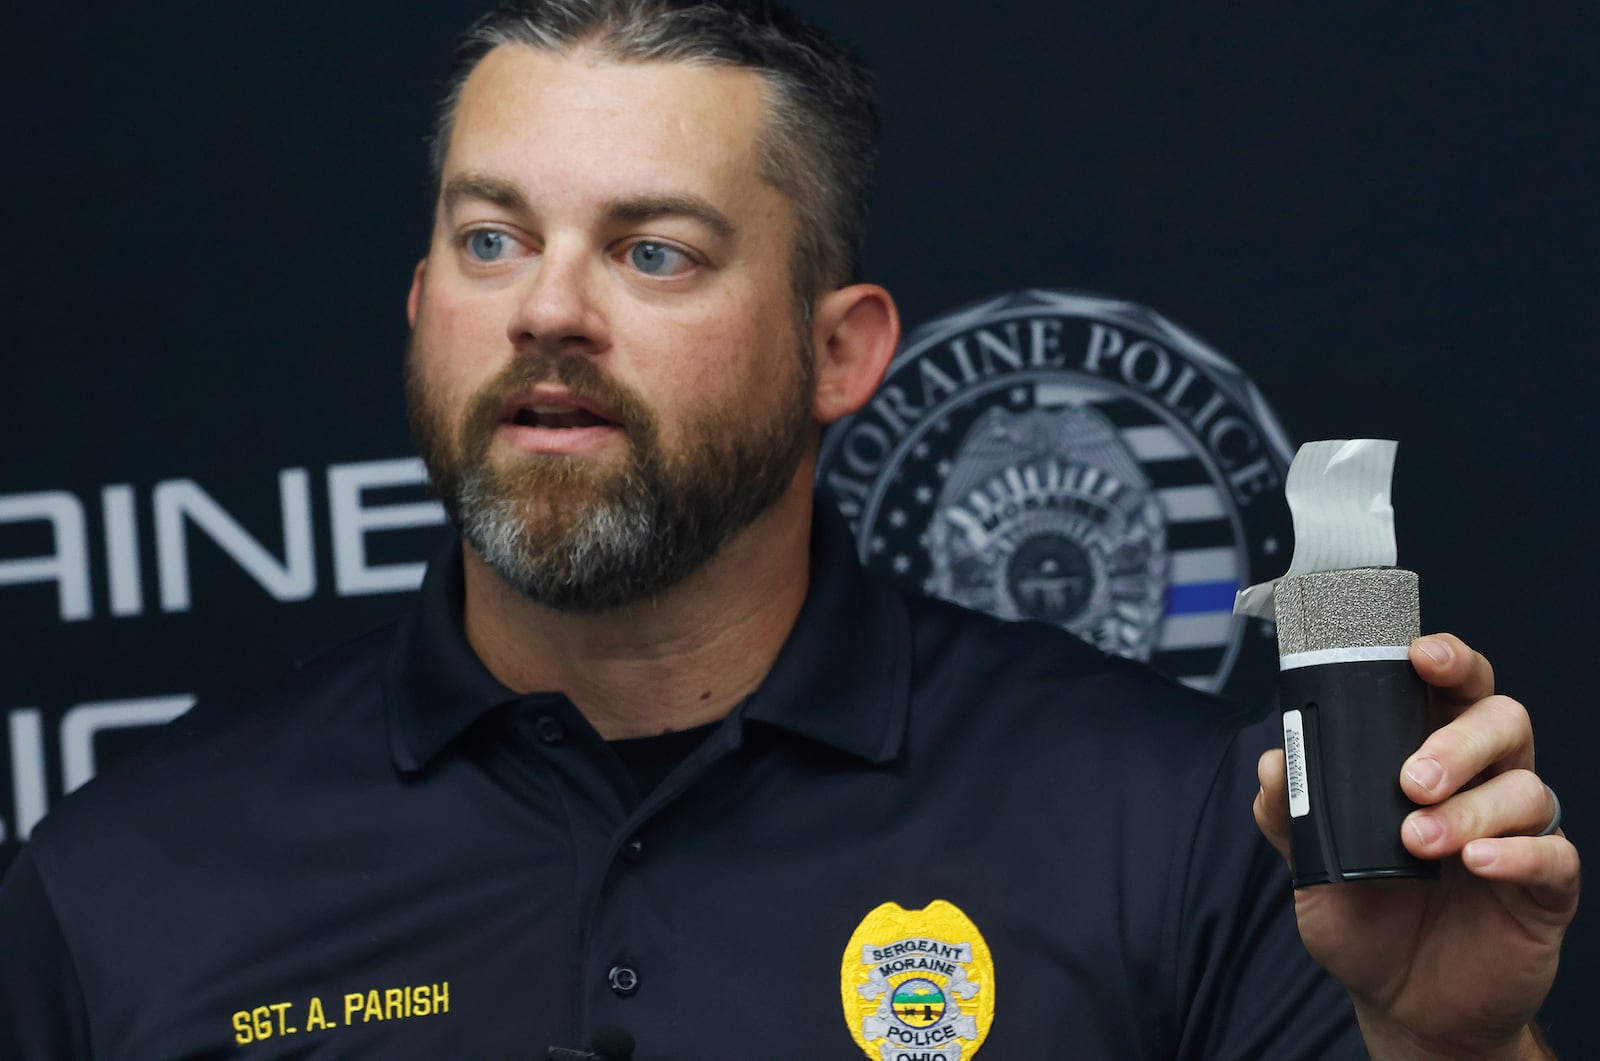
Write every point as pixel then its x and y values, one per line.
pixel 1353 711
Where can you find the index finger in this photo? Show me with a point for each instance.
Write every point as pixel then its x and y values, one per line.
pixel 1459 676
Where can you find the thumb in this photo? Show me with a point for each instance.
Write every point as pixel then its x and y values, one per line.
pixel 1272 802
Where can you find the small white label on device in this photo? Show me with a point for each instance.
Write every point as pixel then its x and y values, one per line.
pixel 1294 753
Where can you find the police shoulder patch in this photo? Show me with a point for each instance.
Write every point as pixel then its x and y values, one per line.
pixel 918 985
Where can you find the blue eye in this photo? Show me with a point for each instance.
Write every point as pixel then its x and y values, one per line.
pixel 487 245
pixel 656 259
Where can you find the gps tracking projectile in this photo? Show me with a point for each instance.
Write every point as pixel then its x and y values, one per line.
pixel 1353 708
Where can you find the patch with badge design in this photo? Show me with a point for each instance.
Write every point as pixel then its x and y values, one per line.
pixel 1078 460
pixel 918 985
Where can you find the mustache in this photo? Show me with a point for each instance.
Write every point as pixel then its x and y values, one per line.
pixel 579 375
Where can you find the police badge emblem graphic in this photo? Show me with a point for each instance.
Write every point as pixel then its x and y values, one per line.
pixel 918 985
pixel 1079 460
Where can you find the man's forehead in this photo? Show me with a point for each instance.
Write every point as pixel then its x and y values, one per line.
pixel 583 100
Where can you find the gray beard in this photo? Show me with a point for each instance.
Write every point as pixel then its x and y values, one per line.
pixel 609 556
pixel 626 536
pixel 590 540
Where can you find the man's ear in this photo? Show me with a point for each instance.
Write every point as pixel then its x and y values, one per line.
pixel 414 298
pixel 854 333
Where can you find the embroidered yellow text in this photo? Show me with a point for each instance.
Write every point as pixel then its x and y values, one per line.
pixel 276 1019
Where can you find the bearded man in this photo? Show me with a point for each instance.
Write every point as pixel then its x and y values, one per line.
pixel 652 752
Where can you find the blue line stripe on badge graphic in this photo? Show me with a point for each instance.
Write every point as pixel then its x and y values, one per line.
pixel 1201 597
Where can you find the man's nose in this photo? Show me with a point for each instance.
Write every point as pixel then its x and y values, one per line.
pixel 559 310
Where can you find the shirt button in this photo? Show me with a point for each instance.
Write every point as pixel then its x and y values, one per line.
pixel 632 851
pixel 549 730
pixel 623 979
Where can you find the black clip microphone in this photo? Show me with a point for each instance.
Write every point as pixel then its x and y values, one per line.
pixel 610 1043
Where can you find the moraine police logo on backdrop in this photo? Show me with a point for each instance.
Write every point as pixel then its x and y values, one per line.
pixel 918 984
pixel 1080 460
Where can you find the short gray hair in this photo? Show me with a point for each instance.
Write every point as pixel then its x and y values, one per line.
pixel 819 142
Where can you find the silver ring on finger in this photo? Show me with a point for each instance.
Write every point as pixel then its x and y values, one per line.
pixel 1555 819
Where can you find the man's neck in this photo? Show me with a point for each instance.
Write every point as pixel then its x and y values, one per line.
pixel 678 660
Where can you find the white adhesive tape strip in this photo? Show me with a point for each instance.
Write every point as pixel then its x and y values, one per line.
pixel 1338 494
pixel 1365 654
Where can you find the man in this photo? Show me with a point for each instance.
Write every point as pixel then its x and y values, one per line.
pixel 652 752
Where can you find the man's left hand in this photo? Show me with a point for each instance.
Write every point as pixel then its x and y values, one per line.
pixel 1456 967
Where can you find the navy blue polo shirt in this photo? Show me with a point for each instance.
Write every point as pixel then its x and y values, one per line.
pixel 926 832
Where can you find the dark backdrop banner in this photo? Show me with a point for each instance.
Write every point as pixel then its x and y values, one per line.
pixel 1382 216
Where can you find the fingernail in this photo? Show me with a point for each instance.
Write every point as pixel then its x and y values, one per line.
pixel 1426 827
pixel 1480 853
pixel 1434 649
pixel 1425 773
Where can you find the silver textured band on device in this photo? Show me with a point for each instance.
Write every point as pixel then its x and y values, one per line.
pixel 1555 819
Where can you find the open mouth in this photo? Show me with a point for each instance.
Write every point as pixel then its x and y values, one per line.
pixel 560 418
pixel 556 409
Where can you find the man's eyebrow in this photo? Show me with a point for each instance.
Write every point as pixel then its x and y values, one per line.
pixel 492 190
pixel 652 207
pixel 636 210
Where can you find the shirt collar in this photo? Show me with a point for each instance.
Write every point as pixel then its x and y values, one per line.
pixel 434 685
pixel 842 677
